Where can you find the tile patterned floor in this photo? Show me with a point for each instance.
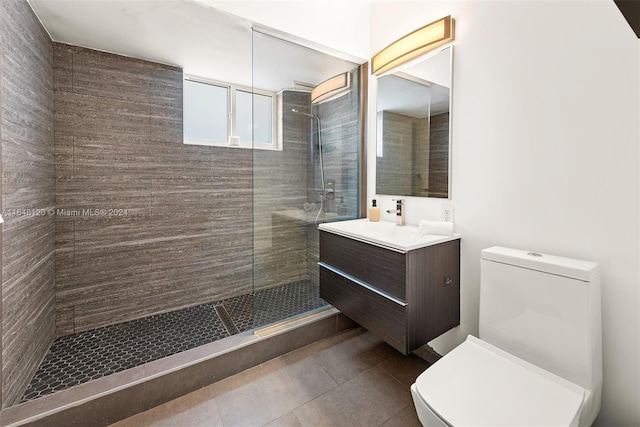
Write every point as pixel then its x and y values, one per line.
pixel 81 357
pixel 351 379
pixel 272 305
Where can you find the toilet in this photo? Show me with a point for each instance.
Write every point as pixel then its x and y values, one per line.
pixel 538 361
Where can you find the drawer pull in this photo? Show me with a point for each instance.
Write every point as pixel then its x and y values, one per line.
pixel 363 284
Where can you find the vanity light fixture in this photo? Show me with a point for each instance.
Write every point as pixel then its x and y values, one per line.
pixel 413 45
pixel 331 87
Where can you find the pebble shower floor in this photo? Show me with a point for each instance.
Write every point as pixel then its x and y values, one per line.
pixel 85 356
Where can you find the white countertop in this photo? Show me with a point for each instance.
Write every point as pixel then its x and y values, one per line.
pixel 387 234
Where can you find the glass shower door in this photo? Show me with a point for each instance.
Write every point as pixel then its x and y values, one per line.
pixel 311 174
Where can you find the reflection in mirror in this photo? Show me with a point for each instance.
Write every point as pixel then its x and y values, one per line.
pixel 413 132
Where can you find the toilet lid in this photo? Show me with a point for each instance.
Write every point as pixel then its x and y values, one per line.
pixel 477 384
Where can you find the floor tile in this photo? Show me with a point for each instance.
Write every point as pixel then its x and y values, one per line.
pixel 271 305
pixel 79 358
pixel 233 382
pixel 287 420
pixel 405 418
pixel 192 410
pixel 135 421
pixel 308 351
pixel 370 399
pixel 295 390
pixel 359 351
pixel 275 394
pixel 405 368
pixel 185 411
pixel 177 412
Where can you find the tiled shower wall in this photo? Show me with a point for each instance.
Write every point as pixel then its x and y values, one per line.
pixel 286 248
pixel 439 156
pixel 398 134
pixel 28 193
pixel 280 248
pixel 145 224
pixel 340 120
pixel 421 186
pixel 429 172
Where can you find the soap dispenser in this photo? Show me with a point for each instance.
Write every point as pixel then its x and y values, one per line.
pixel 374 212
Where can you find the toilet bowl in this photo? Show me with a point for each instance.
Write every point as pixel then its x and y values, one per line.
pixel 538 361
pixel 478 384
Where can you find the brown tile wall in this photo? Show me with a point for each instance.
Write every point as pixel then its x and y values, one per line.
pixel 28 183
pixel 439 156
pixel 145 224
pixel 279 180
pixel 340 120
pixel 421 160
pixel 394 171
pixel 286 249
pixel 409 167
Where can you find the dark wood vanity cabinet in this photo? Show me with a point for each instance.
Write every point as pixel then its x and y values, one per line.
pixel 406 298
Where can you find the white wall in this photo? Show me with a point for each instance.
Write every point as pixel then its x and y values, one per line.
pixel 545 153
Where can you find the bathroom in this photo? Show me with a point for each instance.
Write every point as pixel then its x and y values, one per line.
pixel 534 164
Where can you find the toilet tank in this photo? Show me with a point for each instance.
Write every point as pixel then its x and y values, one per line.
pixel 543 309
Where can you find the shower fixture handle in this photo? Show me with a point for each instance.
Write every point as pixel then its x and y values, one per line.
pixel 330 189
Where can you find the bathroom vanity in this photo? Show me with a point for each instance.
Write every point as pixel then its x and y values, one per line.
pixel 403 286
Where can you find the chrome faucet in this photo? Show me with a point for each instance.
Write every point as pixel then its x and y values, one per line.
pixel 399 211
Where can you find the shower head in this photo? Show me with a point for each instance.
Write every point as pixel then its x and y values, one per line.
pixel 305 114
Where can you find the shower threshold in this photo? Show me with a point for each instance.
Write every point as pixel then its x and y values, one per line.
pixel 84 356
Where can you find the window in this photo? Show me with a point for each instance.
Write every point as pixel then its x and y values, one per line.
pixel 226 115
pixel 206 109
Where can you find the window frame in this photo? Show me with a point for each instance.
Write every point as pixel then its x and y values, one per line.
pixel 232 89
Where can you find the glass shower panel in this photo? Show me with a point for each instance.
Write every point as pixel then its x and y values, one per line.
pixel 254 114
pixel 312 178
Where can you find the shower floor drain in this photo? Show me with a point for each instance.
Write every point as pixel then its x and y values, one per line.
pixel 85 356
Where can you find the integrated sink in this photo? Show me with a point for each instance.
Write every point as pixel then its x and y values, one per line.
pixel 384 233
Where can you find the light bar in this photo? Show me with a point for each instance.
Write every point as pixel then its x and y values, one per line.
pixel 413 45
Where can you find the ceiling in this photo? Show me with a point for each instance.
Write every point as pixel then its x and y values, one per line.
pixel 204 41
pixel 419 88
pixel 410 98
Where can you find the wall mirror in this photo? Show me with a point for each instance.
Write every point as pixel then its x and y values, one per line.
pixel 413 136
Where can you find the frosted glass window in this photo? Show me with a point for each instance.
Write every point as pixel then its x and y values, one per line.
pixel 243 116
pixel 262 111
pixel 262 118
pixel 222 114
pixel 206 111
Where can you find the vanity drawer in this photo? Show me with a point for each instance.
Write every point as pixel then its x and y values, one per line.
pixel 371 264
pixel 387 318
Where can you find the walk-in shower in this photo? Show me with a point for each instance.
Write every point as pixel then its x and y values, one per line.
pixel 220 239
